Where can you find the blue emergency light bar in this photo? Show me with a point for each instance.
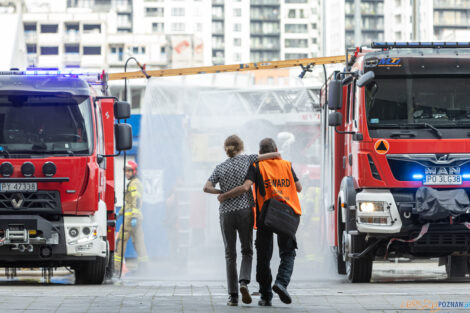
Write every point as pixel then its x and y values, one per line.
pixel 408 45
pixel 91 77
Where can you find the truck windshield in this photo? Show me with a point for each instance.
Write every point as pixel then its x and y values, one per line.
pixel 428 103
pixel 57 124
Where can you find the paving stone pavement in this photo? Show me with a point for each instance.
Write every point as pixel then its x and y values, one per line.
pixel 390 291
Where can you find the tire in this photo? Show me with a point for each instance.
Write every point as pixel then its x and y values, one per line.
pixel 341 265
pixel 91 272
pixel 110 267
pixel 359 270
pixel 456 266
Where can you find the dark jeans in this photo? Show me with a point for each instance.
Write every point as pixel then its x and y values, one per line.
pixel 240 221
pixel 264 252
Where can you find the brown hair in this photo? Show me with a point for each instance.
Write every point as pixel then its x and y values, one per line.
pixel 267 145
pixel 233 145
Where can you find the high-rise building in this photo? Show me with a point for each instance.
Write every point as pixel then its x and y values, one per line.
pixel 364 22
pixel 451 20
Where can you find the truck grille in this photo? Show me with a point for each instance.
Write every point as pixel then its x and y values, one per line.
pixel 40 201
pixel 443 242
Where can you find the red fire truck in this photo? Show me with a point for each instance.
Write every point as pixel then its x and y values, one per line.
pixel 396 156
pixel 57 141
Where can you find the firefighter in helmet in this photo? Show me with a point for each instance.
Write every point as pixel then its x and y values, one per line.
pixel 133 218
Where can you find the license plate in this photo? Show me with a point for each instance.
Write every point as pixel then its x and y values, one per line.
pixel 6 187
pixel 443 180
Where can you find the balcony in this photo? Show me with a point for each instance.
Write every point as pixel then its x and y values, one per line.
pixel 72 37
pixel 124 23
pixel 32 59
pixel 72 59
pixel 264 3
pixel 123 7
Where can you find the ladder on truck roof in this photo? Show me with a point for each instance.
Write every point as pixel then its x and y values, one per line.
pixel 306 65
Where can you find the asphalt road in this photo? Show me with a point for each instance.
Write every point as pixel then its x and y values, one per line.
pixel 395 288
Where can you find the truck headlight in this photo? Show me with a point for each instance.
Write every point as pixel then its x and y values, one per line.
pixel 87 234
pixel 371 206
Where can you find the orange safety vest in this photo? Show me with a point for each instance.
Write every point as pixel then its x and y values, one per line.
pixel 278 183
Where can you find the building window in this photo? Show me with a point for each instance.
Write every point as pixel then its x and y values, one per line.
pixel 135 50
pixel 296 28
pixel 49 28
pixel 31 49
pixel 30 27
pixel 157 27
pixel 237 12
pixel 290 56
pixel 92 28
pixel 218 27
pixel 49 50
pixel 156 12
pixel 291 13
pixel 296 43
pixel 301 13
pixel 237 57
pixel 177 27
pixel 237 27
pixel 72 49
pixel 92 50
pixel 72 27
pixel 177 11
pixel 314 25
pixel 237 42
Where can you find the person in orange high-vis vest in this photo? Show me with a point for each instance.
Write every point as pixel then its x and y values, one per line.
pixel 274 179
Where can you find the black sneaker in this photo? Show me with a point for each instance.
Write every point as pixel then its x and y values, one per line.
pixel 232 300
pixel 282 292
pixel 246 298
pixel 263 302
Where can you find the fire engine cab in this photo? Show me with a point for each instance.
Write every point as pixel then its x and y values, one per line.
pixel 57 141
pixel 396 156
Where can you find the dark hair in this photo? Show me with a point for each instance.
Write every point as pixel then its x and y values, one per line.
pixel 267 145
pixel 233 145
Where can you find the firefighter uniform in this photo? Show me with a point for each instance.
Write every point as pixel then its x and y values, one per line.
pixel 132 223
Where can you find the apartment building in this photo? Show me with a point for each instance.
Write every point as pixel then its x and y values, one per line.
pixel 364 22
pixel 451 20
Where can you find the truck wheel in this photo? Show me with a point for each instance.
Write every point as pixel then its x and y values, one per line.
pixel 341 265
pixel 456 266
pixel 110 267
pixel 358 270
pixel 91 272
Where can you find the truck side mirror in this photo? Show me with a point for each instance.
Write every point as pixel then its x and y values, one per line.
pixel 334 95
pixel 365 79
pixel 335 119
pixel 123 136
pixel 122 110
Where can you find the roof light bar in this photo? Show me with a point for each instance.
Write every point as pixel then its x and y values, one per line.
pixel 90 77
pixel 394 45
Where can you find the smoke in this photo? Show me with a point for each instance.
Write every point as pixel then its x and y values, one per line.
pixel 184 124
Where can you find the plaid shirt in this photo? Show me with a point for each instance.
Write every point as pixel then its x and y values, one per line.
pixel 230 174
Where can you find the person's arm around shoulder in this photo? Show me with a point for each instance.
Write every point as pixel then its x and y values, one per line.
pixel 269 156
